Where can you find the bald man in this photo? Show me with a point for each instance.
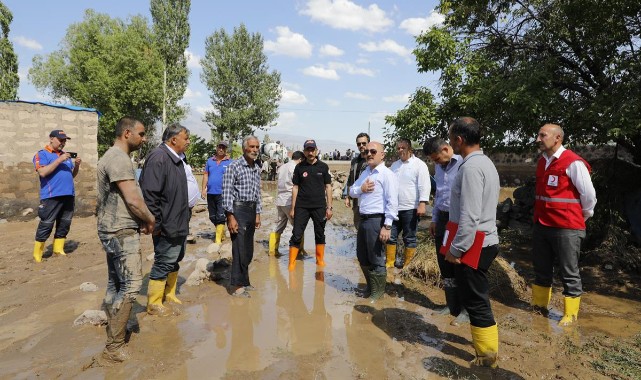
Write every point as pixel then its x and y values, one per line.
pixel 565 199
pixel 377 193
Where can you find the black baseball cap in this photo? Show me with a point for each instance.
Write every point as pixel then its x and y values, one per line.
pixel 59 133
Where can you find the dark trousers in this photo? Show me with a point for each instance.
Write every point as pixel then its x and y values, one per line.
pixel 370 250
pixel 474 289
pixel 168 252
pixel 562 244
pixel 446 268
pixel 58 211
pixel 215 208
pixel 301 217
pixel 407 223
pixel 242 249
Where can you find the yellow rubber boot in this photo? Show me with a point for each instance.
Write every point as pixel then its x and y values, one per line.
pixel 273 238
pixel 155 293
pixel 409 255
pixel 293 252
pixel 320 254
pixel 541 296
pixel 220 232
pixel 390 254
pixel 170 288
pixel 38 250
pixel 486 344
pixel 59 246
pixel 571 312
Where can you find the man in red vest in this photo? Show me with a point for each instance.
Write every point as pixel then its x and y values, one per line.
pixel 565 199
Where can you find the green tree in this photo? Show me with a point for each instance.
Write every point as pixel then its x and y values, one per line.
pixel 244 92
pixel 108 64
pixel 9 80
pixel 417 121
pixel 199 151
pixel 171 31
pixel 515 65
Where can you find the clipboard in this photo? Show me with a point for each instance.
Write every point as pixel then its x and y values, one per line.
pixel 473 255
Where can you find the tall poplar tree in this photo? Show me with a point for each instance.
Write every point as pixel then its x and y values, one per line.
pixel 244 92
pixel 171 31
pixel 9 79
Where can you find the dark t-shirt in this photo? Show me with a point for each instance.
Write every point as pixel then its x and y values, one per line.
pixel 311 181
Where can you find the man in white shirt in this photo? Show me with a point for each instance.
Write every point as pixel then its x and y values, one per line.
pixel 284 200
pixel 565 199
pixel 413 194
pixel 377 193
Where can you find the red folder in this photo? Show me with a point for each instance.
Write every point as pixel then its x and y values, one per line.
pixel 473 255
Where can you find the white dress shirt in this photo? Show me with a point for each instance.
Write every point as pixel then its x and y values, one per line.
pixel 413 182
pixel 384 198
pixel 193 191
pixel 285 185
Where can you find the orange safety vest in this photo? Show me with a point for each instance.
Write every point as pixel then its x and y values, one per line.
pixel 558 202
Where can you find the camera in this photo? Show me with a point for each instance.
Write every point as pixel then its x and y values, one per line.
pixel 73 154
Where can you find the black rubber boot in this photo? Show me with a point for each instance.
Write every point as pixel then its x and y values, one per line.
pixel 378 281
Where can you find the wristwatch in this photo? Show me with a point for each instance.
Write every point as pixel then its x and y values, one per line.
pixel 387 227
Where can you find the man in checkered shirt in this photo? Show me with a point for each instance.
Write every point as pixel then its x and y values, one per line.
pixel 242 205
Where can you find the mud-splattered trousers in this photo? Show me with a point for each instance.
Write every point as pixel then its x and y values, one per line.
pixel 124 265
pixel 58 211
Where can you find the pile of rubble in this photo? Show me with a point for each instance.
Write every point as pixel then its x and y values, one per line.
pixel 517 213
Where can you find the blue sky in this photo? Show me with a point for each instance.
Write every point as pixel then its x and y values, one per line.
pixel 344 64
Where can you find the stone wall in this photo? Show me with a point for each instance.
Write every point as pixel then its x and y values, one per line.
pixel 24 129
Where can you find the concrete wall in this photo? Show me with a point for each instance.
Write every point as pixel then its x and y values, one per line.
pixel 24 129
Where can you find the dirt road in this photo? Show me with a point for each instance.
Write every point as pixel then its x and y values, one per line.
pixel 307 324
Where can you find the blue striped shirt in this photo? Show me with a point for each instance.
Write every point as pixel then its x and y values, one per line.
pixel 444 178
pixel 241 182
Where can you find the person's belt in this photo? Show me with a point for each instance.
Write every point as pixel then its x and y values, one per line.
pixel 245 204
pixel 371 216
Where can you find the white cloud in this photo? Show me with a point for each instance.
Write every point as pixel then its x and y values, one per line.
pixel 321 72
pixel 27 42
pixel 344 14
pixel 389 46
pixel 333 102
pixel 193 60
pixel 293 86
pixel 350 69
pixel 289 43
pixel 331 51
pixel 357 95
pixel 286 121
pixel 203 109
pixel 290 96
pixel 190 94
pixel 397 98
pixel 415 26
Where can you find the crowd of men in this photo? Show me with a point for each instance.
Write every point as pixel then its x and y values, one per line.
pixel 387 203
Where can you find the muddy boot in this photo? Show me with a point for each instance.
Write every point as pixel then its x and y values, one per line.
pixel 320 254
pixel 365 293
pixel 274 239
pixel 170 299
pixel 301 250
pixel 38 250
pixel 541 296
pixel 293 254
pixel 390 255
pixel 155 294
pixel 571 310
pixel 378 281
pixel 486 344
pixel 452 303
pixel 409 255
pixel 461 319
pixel 115 350
pixel 59 246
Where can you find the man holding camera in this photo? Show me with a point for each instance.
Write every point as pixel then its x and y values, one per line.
pixel 56 169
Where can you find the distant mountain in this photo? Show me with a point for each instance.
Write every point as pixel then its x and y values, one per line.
pixel 294 142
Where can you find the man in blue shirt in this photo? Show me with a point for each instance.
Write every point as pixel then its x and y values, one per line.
pixel 57 170
pixel 213 186
pixel 446 165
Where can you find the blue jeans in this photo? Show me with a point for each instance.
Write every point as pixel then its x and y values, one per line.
pixel 407 223
pixel 124 266
pixel 168 253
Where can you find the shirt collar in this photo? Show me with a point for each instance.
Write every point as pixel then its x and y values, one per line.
pixel 50 150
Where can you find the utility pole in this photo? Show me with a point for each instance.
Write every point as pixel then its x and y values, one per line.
pixel 369 132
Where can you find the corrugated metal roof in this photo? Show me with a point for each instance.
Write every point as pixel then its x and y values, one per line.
pixel 65 106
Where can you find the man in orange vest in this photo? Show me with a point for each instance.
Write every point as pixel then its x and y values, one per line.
pixel 565 199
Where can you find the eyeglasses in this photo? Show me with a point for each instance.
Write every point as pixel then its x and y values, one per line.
pixel 361 143
pixel 310 149
pixel 371 151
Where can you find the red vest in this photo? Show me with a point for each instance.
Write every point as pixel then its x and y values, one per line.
pixel 558 202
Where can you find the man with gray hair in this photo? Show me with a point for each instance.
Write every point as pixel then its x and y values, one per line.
pixel 242 205
pixel 164 186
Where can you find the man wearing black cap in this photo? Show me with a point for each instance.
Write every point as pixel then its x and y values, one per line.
pixel 311 198
pixel 56 169
pixel 213 188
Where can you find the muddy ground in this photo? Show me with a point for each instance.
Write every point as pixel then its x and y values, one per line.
pixel 308 324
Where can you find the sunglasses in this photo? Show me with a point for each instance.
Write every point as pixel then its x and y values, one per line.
pixel 371 151
pixel 361 143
